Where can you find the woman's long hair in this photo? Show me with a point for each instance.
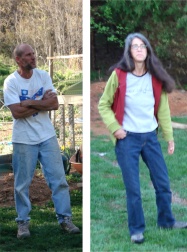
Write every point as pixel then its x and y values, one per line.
pixel 152 63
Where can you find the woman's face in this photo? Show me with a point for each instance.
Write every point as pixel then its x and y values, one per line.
pixel 138 50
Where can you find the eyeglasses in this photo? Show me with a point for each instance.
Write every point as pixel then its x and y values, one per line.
pixel 135 46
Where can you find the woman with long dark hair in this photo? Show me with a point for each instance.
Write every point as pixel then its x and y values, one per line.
pixel 133 105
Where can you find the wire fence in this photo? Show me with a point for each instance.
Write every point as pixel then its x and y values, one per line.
pixel 68 127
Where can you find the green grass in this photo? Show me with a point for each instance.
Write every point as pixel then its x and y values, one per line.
pixel 109 231
pixel 46 234
pixel 181 119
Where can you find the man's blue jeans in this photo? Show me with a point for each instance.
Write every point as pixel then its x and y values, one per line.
pixel 24 163
pixel 128 151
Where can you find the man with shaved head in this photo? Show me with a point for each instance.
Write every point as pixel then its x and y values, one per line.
pixel 30 94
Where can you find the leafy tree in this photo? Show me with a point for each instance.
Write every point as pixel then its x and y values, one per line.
pixel 41 23
pixel 163 22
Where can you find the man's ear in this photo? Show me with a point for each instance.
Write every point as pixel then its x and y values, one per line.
pixel 17 59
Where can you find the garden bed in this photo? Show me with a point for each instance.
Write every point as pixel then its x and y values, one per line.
pixel 40 193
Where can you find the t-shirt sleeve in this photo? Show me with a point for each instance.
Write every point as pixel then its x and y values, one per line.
pixel 11 95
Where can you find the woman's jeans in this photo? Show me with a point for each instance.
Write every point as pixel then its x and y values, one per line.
pixel 25 159
pixel 128 151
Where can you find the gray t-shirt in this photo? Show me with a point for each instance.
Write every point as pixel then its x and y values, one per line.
pixel 139 104
pixel 38 127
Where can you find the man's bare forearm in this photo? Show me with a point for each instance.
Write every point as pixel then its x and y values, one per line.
pixel 21 112
pixel 45 105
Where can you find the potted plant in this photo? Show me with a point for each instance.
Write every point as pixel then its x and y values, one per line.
pixel 76 160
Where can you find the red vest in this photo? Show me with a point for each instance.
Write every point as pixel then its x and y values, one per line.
pixel 119 96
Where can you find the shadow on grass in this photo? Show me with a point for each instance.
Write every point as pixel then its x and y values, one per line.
pixel 46 234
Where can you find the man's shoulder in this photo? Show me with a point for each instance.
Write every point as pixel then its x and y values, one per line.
pixel 40 71
pixel 11 76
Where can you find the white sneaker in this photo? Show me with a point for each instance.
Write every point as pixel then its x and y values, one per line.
pixel 137 238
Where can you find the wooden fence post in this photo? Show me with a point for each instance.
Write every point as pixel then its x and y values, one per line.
pixel 50 67
pixel 71 126
pixel 62 125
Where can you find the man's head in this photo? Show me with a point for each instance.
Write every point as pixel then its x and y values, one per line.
pixel 25 57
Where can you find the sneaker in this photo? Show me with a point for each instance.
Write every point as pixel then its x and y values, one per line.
pixel 137 238
pixel 68 226
pixel 23 230
pixel 176 225
pixel 180 224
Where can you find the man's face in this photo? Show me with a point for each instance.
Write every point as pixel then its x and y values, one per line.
pixel 27 60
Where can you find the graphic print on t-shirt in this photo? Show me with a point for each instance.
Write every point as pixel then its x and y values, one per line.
pixel 25 96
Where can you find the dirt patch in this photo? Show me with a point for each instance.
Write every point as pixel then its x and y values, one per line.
pixel 39 191
pixel 177 101
pixel 96 124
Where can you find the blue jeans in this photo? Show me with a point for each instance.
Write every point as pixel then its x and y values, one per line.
pixel 128 151
pixel 24 162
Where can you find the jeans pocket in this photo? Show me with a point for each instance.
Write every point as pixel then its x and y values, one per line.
pixel 119 144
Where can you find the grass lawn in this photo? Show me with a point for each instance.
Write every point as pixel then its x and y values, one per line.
pixel 109 231
pixel 46 234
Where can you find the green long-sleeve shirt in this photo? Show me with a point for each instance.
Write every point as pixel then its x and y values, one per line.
pixel 108 116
